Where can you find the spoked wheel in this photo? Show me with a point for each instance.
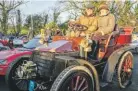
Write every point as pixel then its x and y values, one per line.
pixel 125 69
pixel 14 77
pixel 74 78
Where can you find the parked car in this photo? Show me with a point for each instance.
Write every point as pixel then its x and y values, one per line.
pixel 8 56
pixel 17 42
pixel 24 39
pixel 4 42
pixel 2 47
pixel 134 43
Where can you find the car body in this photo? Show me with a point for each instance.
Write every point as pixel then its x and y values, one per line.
pixel 24 38
pixel 2 47
pixel 4 42
pixel 17 42
pixel 134 43
pixel 8 56
pixel 63 65
pixel 31 44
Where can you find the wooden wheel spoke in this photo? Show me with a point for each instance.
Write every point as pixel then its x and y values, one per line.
pixel 77 82
pixel 82 82
pixel 18 82
pixel 84 88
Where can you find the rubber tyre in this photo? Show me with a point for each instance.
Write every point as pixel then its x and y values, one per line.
pixel 122 59
pixel 136 50
pixel 8 78
pixel 65 74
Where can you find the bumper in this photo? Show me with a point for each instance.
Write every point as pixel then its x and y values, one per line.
pixel 3 69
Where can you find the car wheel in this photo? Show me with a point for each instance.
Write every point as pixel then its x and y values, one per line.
pixel 12 77
pixel 74 78
pixel 125 70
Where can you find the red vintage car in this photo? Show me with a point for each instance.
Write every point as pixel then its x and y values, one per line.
pixel 8 56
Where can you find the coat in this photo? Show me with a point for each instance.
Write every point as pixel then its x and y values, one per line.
pixel 90 22
pixel 106 24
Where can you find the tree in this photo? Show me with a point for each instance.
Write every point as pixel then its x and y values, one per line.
pixel 7 7
pixel 123 10
pixel 37 22
pixel 18 22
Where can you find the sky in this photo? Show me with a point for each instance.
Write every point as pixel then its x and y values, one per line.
pixel 38 7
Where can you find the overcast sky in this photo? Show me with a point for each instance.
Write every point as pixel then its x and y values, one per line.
pixel 38 7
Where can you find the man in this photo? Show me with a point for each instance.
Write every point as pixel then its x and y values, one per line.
pixel 106 21
pixel 88 20
pixel 106 24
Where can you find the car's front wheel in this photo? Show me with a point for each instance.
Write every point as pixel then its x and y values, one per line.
pixel 74 78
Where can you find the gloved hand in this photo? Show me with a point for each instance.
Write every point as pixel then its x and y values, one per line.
pixel 97 35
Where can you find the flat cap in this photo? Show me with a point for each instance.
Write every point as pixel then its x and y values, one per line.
pixel 103 6
pixel 90 6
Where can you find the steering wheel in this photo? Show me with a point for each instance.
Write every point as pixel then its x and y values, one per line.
pixel 78 27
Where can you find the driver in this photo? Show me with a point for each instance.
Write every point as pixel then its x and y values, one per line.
pixel 88 20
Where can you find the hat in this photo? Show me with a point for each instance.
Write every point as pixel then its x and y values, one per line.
pixel 103 6
pixel 90 6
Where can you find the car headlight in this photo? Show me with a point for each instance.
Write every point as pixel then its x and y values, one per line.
pixel 2 62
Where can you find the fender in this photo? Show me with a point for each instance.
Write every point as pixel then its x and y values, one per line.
pixel 93 71
pixel 17 59
pixel 112 61
pixel 13 63
pixel 73 61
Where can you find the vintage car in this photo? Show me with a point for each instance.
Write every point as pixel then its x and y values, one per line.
pixel 61 66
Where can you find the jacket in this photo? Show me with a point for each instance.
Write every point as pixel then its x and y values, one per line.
pixel 106 24
pixel 90 22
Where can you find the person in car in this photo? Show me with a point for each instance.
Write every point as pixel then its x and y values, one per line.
pixel 88 19
pixel 106 24
pixel 106 21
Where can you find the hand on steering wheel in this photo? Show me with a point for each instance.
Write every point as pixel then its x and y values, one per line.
pixel 78 27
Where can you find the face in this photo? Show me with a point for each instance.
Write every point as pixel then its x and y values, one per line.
pixel 104 12
pixel 89 11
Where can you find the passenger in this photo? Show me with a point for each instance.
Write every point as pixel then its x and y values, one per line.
pixel 106 21
pixel 88 19
pixel 106 24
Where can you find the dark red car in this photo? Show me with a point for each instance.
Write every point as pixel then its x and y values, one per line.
pixel 8 56
pixel 4 42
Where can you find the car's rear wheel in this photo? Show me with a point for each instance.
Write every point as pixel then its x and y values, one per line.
pixel 125 70
pixel 14 79
pixel 74 78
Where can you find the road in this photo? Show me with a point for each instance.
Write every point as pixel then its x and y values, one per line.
pixel 133 87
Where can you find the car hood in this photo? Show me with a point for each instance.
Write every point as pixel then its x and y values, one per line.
pixel 57 46
pixel 8 53
pixel 24 49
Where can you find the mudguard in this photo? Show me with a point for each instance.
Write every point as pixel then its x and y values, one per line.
pixel 73 61
pixel 109 70
pixel 12 64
